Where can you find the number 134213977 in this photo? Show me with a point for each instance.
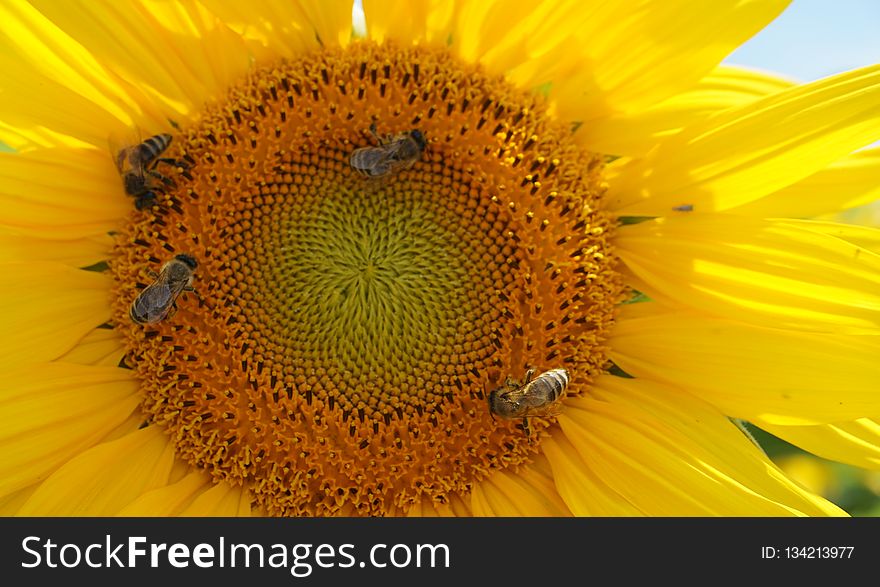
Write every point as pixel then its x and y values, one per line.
pixel 794 552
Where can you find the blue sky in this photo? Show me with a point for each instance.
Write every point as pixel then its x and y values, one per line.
pixel 816 38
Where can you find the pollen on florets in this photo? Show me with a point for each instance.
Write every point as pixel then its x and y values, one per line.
pixel 346 331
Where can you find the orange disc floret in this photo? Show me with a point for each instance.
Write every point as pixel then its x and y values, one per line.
pixel 344 332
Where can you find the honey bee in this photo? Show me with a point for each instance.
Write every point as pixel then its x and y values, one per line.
pixel 394 153
pixel 533 397
pixel 137 163
pixel 159 299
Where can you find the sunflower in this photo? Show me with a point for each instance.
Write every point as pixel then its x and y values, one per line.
pixel 590 191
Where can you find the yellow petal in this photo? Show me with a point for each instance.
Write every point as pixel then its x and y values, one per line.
pixel 81 252
pixel 523 492
pixel 409 20
pixel 849 182
pixel 743 154
pixel 53 82
pixel 671 454
pixel 866 237
pixel 521 40
pixel 855 443
pixel 169 500
pixel 130 425
pixel 331 19
pixel 583 491
pixel 725 87
pixel 26 139
pixel 282 27
pixel 106 478
pixel 765 272
pixel 632 55
pixel 61 193
pixel 222 500
pixel 48 307
pixel 10 504
pixel 782 376
pixel 102 347
pixel 176 53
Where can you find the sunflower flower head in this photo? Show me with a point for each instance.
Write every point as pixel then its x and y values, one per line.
pixel 278 309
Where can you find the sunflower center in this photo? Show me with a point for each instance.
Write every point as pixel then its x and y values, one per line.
pixel 345 331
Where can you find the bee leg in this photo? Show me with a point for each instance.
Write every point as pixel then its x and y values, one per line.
pixel 152 274
pixel 529 374
pixel 145 201
pixel 375 133
pixel 174 162
pixel 166 180
pixel 527 429
pixel 197 294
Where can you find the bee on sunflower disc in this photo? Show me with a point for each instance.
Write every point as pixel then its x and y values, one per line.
pixel 539 396
pixel 394 153
pixel 158 300
pixel 137 166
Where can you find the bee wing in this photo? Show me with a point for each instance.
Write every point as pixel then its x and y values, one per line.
pixel 513 395
pixel 156 300
pixel 370 159
pixel 153 302
pixel 546 411
pixel 119 142
pixel 394 149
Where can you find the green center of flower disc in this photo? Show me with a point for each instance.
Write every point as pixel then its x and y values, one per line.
pixel 345 331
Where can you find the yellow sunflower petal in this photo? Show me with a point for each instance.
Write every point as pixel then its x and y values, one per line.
pixel 866 237
pixel 524 492
pixel 21 140
pixel 584 493
pixel 419 20
pixel 102 347
pixel 177 53
pixel 670 454
pixel 765 272
pixel 331 19
pixel 10 504
pixel 130 425
pixel 169 500
pixel 520 40
pixel 856 443
pixel 42 322
pixel 633 55
pixel 61 193
pixel 281 27
pixel 80 252
pixel 635 134
pixel 849 182
pixel 52 81
pixel 792 378
pixel 743 154
pixel 221 500
pixel 106 478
